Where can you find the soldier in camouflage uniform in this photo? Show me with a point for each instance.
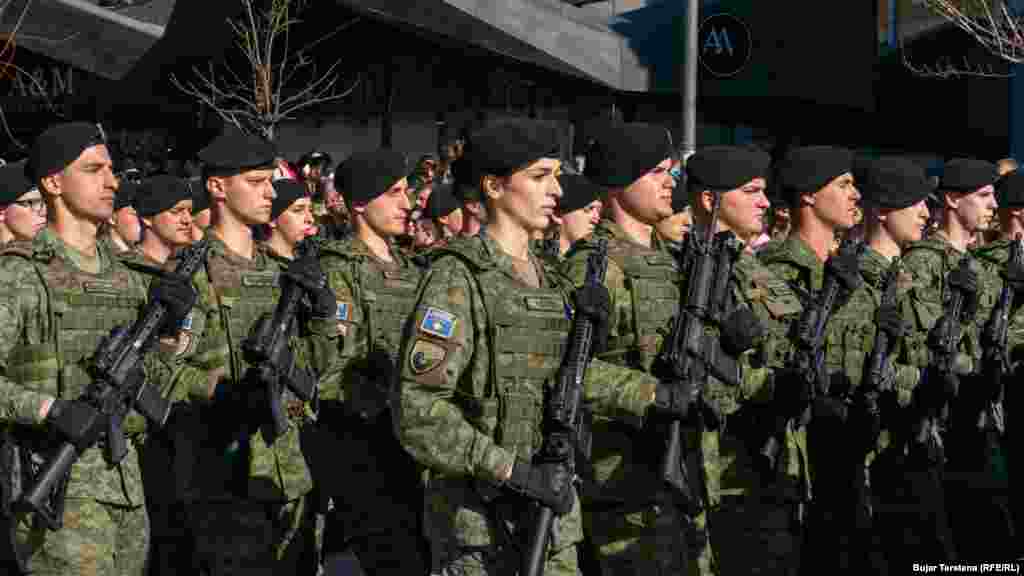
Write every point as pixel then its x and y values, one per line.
pixel 249 502
pixel 444 210
pixel 22 207
pixel 745 508
pixel 968 204
pixel 63 293
pixel 979 454
pixel 123 229
pixel 377 497
pixel 894 193
pixel 487 333
pixel 579 211
pixel 633 520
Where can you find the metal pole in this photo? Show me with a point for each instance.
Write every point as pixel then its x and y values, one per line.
pixel 689 85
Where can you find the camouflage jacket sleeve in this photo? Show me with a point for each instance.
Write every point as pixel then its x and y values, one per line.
pixel 439 376
pixel 348 343
pixel 21 309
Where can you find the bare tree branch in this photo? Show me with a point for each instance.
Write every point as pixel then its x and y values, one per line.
pixel 945 69
pixel 259 98
pixel 992 23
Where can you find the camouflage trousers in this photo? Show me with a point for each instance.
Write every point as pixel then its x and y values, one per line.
pixel 748 527
pixel 254 538
pixel 644 539
pixel 97 539
pixel 481 561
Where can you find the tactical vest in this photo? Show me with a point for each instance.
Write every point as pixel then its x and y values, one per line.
pixel 242 296
pixel 527 331
pixel 652 279
pixel 83 309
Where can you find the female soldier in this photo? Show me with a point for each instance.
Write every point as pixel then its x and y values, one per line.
pixel 22 208
pixel 291 219
pixel 488 331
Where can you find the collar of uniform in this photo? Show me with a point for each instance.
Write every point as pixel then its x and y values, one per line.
pixel 260 253
pixel 801 255
pixel 997 252
pixel 48 242
pixel 359 248
pixel 612 230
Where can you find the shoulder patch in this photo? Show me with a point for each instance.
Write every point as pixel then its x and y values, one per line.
pixel 342 314
pixel 186 322
pixel 425 356
pixel 438 323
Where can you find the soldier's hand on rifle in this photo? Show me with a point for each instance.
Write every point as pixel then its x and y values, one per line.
pixel 549 483
pixel 673 399
pixel 593 301
pixel 176 293
pixel 937 388
pixel 845 266
pixel 1014 275
pixel 965 279
pixel 890 320
pixel 740 331
pixel 76 421
pixel 306 272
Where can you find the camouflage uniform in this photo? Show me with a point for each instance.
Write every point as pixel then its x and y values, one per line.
pixel 479 350
pixel 375 492
pixel 53 315
pixel 841 537
pixel 911 499
pixel 248 502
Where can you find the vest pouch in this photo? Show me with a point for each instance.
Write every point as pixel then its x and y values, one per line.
pixel 519 421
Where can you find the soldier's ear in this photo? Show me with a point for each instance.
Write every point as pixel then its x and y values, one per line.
pixel 51 184
pixel 216 187
pixel 707 201
pixel 490 185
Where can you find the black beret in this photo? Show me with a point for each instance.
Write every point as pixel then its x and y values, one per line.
pixel 861 168
pixel 160 193
pixel 727 167
pixel 577 193
pixel 441 202
pixel 1010 190
pixel 622 153
pixel 286 192
pixel 61 145
pixel 808 169
pixel 503 148
pixel 967 175
pixel 125 194
pixel 366 175
pixel 235 152
pixel 895 183
pixel 200 197
pixel 13 182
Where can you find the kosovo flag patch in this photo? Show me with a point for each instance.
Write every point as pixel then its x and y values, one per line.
pixel 438 323
pixel 342 313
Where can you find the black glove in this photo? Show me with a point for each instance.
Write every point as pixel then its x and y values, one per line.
pixel 741 331
pixel 176 293
pixel 76 421
pixel 964 279
pixel 890 320
pixel 845 267
pixel 673 400
pixel 936 389
pixel 548 483
pixel 306 272
pixel 593 301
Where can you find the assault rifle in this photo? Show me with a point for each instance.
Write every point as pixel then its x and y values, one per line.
pixel 809 357
pixel 563 425
pixel 687 354
pixel 271 363
pixel 874 372
pixel 115 390
pixel 996 355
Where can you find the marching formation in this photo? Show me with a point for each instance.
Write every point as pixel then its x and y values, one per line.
pixel 502 366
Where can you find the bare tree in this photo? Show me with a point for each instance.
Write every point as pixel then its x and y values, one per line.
pixel 266 92
pixel 995 24
pixel 8 69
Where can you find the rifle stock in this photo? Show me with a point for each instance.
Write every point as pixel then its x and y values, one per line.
pixel 563 415
pixel 113 392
